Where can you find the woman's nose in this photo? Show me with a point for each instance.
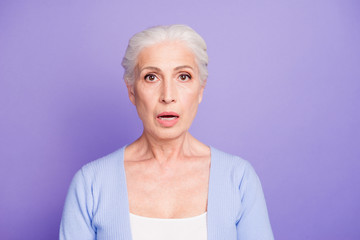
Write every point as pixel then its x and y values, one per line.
pixel 168 92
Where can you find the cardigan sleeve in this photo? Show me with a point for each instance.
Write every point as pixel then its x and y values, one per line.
pixel 254 222
pixel 76 222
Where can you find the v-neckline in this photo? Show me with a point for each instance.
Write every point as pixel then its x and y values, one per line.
pixel 210 184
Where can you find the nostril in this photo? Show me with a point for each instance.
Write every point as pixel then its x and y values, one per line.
pixel 167 100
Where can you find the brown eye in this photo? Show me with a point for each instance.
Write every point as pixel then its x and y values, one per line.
pixel 150 77
pixel 184 77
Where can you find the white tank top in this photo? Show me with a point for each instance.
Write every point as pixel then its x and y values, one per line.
pixel 145 228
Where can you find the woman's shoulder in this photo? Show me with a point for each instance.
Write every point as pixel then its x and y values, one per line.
pixel 231 165
pixel 105 165
pixel 227 159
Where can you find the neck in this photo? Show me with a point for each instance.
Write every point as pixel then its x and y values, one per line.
pixel 165 151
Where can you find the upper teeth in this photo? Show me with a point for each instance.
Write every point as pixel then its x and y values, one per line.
pixel 168 117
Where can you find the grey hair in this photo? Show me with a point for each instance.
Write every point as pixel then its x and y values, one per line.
pixel 160 34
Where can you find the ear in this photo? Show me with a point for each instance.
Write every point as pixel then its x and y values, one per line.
pixel 201 93
pixel 131 92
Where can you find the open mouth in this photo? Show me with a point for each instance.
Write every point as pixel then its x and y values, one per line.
pixel 168 116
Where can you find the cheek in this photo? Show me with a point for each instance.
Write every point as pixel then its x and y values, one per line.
pixel 141 105
pixel 140 101
pixel 191 101
pixel 144 104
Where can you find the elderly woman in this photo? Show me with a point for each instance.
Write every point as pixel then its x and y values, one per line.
pixel 166 184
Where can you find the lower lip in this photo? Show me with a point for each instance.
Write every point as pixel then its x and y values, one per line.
pixel 167 122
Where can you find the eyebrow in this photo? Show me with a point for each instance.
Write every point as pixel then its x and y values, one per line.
pixel 151 68
pixel 159 70
pixel 183 66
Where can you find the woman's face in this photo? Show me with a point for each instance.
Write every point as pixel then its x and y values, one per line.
pixel 167 89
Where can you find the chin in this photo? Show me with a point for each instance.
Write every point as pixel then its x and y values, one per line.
pixel 168 133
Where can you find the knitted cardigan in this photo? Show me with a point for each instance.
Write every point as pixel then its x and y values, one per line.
pixel 97 206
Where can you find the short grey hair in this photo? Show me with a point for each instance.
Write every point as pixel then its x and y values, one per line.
pixel 158 34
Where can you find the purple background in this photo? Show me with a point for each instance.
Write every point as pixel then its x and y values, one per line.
pixel 283 92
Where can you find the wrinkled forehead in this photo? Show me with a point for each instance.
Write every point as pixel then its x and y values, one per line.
pixel 166 55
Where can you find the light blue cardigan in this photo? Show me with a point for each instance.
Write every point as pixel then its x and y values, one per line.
pixel 97 206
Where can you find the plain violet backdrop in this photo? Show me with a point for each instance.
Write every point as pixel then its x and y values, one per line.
pixel 283 92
